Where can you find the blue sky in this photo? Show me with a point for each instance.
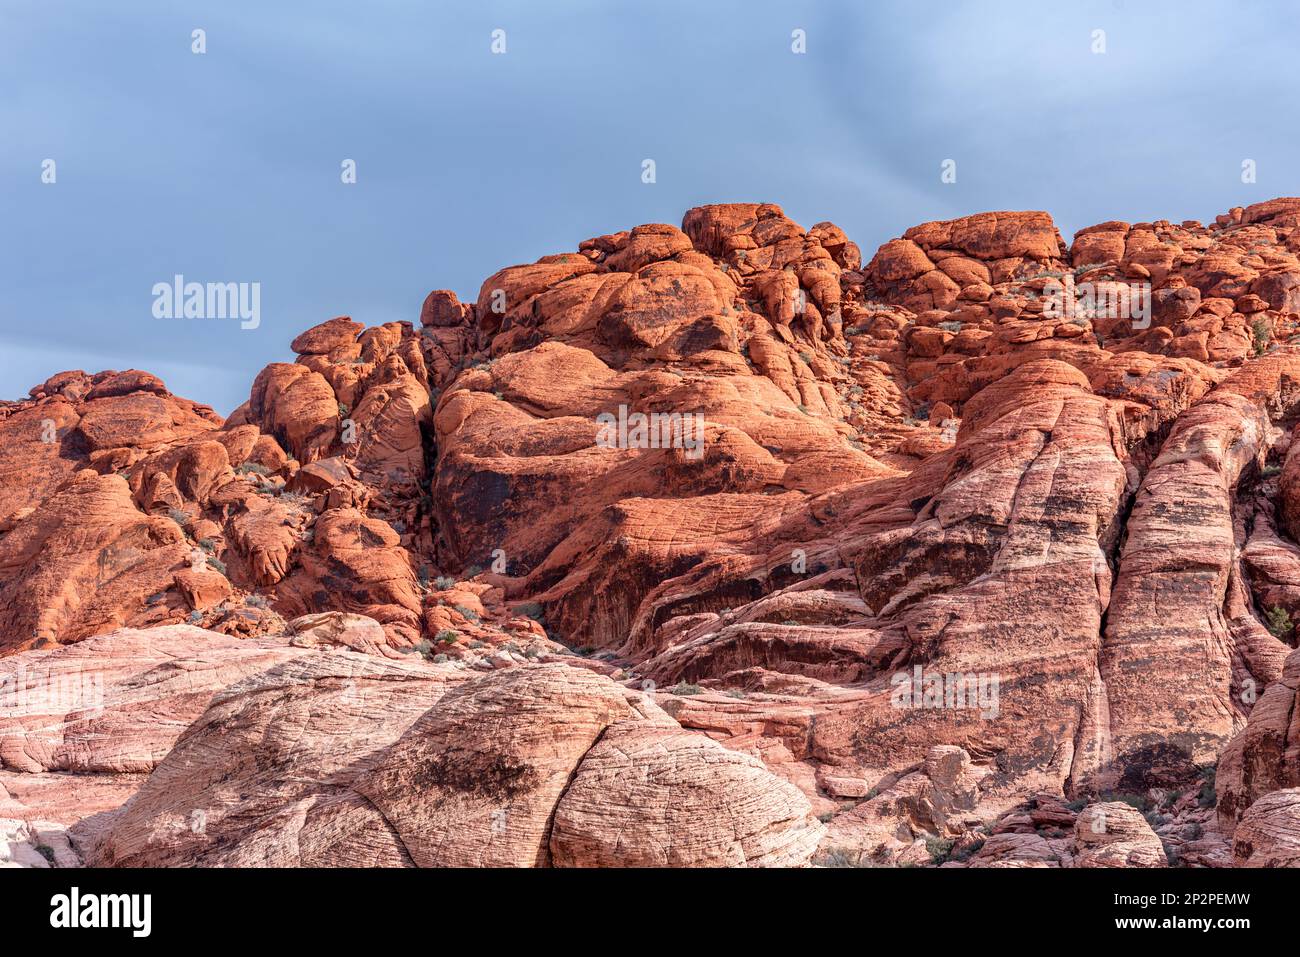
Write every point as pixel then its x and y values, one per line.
pixel 225 166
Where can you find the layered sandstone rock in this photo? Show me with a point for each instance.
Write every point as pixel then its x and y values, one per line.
pixel 340 759
pixel 983 528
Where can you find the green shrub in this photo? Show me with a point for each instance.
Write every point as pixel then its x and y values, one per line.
pixel 685 688
pixel 939 848
pixel 252 468
pixel 448 636
pixel 218 565
pixel 1260 336
pixel 443 582
pixel 1139 802
pixel 1278 622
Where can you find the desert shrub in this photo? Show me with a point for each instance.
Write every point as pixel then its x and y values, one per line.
pixel 1278 622
pixel 252 468
pixel 842 857
pixel 448 636
pixel 939 848
pixel 530 609
pixel 685 688
pixel 1139 802
pixel 1260 336
pixel 218 565
pixel 1207 797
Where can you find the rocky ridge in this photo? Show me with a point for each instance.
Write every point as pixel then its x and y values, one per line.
pixel 1055 482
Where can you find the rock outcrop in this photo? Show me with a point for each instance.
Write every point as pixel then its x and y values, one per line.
pixel 658 545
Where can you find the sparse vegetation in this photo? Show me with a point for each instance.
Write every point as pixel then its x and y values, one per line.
pixel 443 582
pixel 252 468
pixel 218 565
pixel 448 636
pixel 685 688
pixel 1138 801
pixel 1278 622
pixel 1260 336
pixel 966 852
pixel 939 848
pixel 531 609
pixel 843 857
pixel 1207 797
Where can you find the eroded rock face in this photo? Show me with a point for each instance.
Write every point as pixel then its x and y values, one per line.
pixel 344 760
pixel 988 526
pixel 117 703
pixel 1269 832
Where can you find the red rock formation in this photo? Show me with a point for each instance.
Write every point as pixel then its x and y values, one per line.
pixel 984 528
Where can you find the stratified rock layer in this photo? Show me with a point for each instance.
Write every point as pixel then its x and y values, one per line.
pixel 943 544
